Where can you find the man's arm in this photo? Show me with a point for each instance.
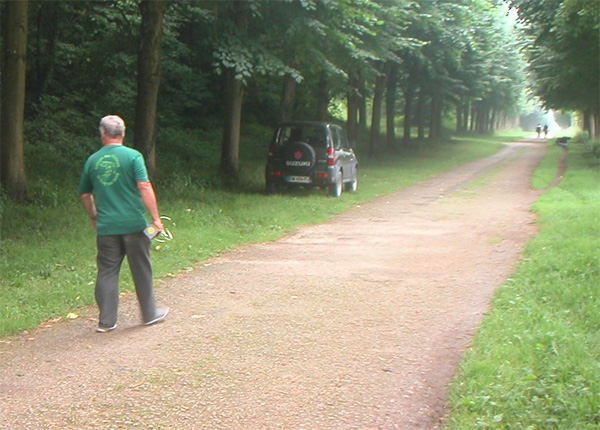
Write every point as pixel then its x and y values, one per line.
pixel 90 206
pixel 149 199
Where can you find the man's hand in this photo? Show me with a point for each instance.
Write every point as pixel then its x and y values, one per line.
pixel 90 207
pixel 149 199
pixel 158 224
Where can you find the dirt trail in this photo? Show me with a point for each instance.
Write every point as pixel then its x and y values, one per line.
pixel 358 323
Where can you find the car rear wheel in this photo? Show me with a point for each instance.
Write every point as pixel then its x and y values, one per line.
pixel 353 186
pixel 271 188
pixel 335 189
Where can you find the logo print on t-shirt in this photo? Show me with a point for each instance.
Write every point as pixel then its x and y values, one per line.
pixel 107 169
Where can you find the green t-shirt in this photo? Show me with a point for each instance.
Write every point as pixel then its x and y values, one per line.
pixel 111 174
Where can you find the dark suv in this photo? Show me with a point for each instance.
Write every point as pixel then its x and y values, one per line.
pixel 311 154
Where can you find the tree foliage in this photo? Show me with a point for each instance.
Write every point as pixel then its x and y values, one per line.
pixel 234 62
pixel 564 52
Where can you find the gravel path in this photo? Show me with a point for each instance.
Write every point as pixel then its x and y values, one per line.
pixel 358 323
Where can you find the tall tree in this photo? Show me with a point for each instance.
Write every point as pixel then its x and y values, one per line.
pixel 296 42
pixel 390 39
pixel 390 105
pixel 233 97
pixel 148 79
pixel 46 19
pixel 377 103
pixel 12 104
pixel 241 51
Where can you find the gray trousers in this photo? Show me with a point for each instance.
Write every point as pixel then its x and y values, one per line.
pixel 112 249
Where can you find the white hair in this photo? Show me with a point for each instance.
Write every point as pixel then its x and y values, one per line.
pixel 112 126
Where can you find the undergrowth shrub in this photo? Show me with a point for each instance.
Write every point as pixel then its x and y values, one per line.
pixel 592 144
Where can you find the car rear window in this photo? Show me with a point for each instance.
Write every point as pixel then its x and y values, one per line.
pixel 314 136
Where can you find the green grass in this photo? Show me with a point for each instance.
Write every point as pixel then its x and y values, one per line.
pixel 535 361
pixel 47 257
pixel 546 172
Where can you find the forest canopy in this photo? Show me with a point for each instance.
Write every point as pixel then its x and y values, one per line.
pixel 391 64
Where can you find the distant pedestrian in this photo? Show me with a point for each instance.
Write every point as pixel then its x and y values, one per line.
pixel 116 193
pixel 538 130
pixel 545 131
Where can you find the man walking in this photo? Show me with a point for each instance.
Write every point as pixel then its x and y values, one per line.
pixel 116 193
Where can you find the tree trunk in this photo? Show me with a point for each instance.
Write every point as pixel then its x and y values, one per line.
pixel 473 116
pixel 479 118
pixel 435 122
pixel 376 113
pixel 409 96
pixel 352 115
pixel 323 98
pixel 492 122
pixel 421 114
pixel 362 102
pixel 234 96
pixel 44 46
pixel 482 118
pixel 230 147
pixel 390 114
pixel 148 80
pixel 590 123
pixel 466 111
pixel 14 35
pixel 288 92
pixel 459 115
pixel 585 124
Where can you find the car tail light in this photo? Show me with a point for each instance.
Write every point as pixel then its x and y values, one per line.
pixel 276 173
pixel 331 156
pixel 322 175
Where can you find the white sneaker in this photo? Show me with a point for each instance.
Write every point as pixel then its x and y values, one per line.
pixel 103 329
pixel 162 313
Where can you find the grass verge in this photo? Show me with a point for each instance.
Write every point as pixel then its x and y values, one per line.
pixel 47 264
pixel 535 361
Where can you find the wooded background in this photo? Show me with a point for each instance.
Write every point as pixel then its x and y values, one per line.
pixel 399 68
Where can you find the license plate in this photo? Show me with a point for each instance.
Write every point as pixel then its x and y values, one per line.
pixel 299 179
